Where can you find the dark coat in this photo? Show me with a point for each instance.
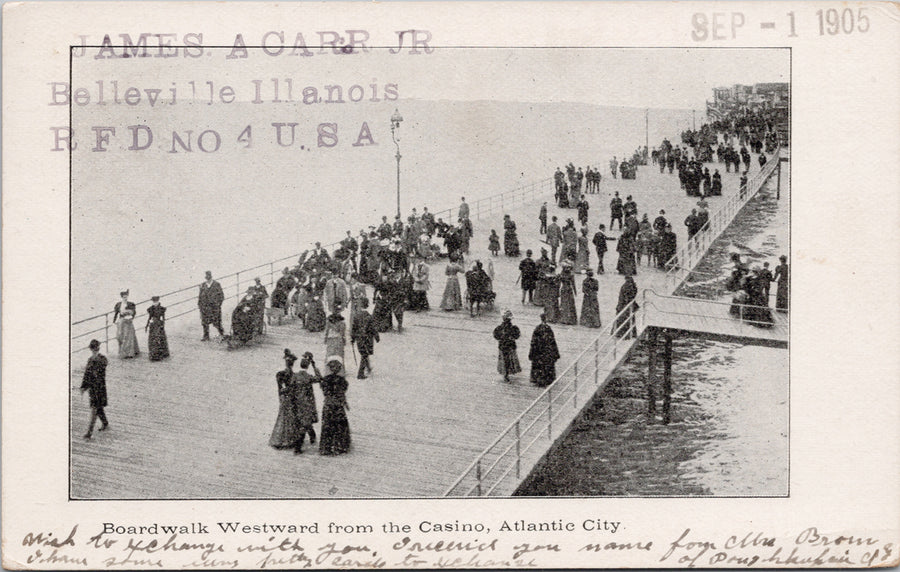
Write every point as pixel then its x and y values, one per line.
pixel 529 271
pixel 506 335
pixel 94 380
pixel 210 299
pixel 363 333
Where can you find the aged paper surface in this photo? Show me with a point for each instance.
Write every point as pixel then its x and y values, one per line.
pixel 145 143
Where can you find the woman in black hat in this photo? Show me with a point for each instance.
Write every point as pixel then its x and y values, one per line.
pixel 156 325
pixel 286 431
pixel 123 316
pixel 335 438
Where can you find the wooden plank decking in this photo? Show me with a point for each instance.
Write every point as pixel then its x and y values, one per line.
pixel 712 319
pixel 197 425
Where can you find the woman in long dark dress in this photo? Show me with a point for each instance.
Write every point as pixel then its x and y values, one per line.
pixel 567 292
pixel 156 339
pixel 782 277
pixel 335 438
pixel 551 300
pixel 510 238
pixel 543 354
pixel 243 319
pixel 123 316
pixel 590 307
pixel 287 429
pixel 625 326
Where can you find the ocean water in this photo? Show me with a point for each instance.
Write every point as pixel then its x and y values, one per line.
pixel 154 220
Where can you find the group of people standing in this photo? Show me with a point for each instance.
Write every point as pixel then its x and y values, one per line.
pixel 752 288
pixel 297 410
pixel 124 313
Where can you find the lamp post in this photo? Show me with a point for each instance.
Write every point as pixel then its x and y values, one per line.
pixel 395 125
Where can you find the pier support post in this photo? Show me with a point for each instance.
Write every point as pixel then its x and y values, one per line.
pixel 778 185
pixel 651 374
pixel 667 379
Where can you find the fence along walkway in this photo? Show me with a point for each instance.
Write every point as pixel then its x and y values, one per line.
pixel 500 468
pixel 713 319
pixel 183 301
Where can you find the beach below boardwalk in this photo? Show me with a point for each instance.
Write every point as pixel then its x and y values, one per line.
pixel 729 430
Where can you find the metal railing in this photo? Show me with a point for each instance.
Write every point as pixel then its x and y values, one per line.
pixel 101 327
pixel 515 452
pixel 744 320
pixel 681 265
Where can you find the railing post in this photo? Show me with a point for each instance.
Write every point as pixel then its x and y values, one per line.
pixel 106 330
pixel 597 361
pixel 550 412
pixel 575 388
pixel 518 451
pixel 237 285
pixel 272 274
pixel 478 476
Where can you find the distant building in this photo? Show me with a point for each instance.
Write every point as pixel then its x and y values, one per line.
pixel 760 96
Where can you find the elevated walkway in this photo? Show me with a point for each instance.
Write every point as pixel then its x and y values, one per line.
pixel 714 320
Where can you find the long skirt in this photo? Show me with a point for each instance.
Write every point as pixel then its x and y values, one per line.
pixel 508 362
pixel 128 344
pixel 315 314
pixel 418 301
pixel 157 341
pixel 582 262
pixel 781 296
pixel 287 429
pixel 511 244
pixel 452 299
pixel 335 439
pixel 551 307
pixel 626 265
pixel 590 311
pixel 381 315
pixel 543 374
pixel 567 313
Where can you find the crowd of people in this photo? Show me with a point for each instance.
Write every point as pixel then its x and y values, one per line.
pixel 393 260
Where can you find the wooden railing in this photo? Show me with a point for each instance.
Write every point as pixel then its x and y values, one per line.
pixel 183 301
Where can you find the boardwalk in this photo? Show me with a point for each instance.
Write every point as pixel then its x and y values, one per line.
pixel 197 425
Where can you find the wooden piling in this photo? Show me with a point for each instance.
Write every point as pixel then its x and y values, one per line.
pixel 667 378
pixel 651 374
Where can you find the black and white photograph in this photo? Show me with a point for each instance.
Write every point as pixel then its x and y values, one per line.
pixel 320 272
pixel 429 285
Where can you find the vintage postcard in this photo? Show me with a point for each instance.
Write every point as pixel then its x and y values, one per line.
pixel 450 285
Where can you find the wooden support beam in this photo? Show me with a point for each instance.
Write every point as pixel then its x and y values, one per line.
pixel 667 378
pixel 651 374
pixel 778 186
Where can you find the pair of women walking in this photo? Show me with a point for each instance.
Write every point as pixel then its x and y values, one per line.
pixel 297 407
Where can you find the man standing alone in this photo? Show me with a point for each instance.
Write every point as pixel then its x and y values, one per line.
pixel 554 237
pixel 210 304
pixel 94 382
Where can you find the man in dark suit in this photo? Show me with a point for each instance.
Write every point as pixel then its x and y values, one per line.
pixel 364 334
pixel 210 304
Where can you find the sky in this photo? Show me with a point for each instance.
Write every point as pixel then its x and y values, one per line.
pixel 656 78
